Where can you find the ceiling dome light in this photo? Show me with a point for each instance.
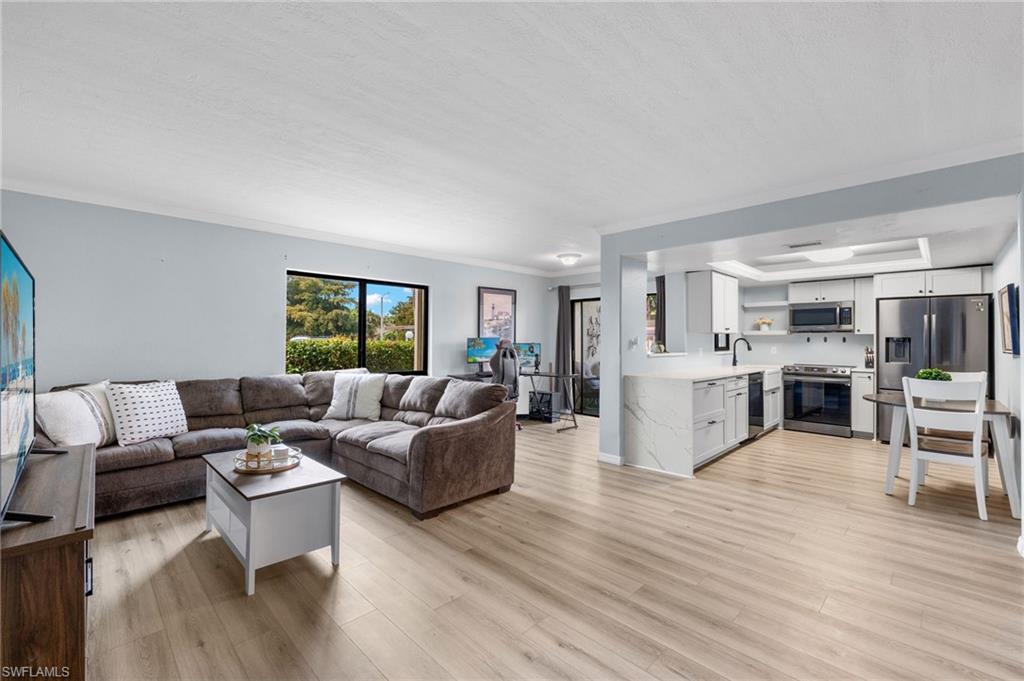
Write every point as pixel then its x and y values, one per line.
pixel 830 254
pixel 569 259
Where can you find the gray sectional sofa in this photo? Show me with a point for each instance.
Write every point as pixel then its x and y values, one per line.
pixel 438 441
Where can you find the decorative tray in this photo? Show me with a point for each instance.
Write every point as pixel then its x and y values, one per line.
pixel 281 460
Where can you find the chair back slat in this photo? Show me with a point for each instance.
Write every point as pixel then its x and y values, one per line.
pixel 962 421
pixel 966 390
pixel 926 410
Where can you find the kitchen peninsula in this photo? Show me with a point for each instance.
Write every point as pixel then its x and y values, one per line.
pixel 677 421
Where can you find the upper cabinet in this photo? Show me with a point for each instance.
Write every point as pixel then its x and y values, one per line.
pixel 864 306
pixel 833 291
pixel 712 302
pixel 959 281
pixel 952 282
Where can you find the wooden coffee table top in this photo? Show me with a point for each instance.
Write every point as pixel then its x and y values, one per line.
pixel 309 473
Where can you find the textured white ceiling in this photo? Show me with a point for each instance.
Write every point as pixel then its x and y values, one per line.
pixel 497 132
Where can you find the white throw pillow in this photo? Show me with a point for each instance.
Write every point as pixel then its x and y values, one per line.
pixel 145 411
pixel 356 396
pixel 77 416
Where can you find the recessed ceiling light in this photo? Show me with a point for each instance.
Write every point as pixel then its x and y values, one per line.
pixel 830 254
pixel 569 259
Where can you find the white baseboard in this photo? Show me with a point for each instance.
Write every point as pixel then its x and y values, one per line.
pixel 658 470
pixel 609 458
pixel 1020 546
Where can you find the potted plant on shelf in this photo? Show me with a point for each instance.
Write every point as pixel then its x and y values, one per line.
pixel 259 441
pixel 764 323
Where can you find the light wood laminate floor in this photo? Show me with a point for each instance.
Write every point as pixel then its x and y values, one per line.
pixel 784 560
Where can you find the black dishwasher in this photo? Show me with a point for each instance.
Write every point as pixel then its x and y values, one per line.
pixel 755 405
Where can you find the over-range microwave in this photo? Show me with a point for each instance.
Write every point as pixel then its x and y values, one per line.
pixel 821 317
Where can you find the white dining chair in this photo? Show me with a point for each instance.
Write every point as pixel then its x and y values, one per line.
pixel 928 415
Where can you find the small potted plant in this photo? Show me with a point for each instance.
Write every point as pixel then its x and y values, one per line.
pixel 933 375
pixel 259 441
pixel 764 323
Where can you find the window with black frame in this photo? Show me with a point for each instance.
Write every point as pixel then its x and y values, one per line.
pixel 347 322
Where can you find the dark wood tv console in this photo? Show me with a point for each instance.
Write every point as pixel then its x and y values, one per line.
pixel 46 567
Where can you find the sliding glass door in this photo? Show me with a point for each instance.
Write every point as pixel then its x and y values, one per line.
pixel 586 353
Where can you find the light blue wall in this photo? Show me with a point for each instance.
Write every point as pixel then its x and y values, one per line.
pixel 124 294
pixel 620 302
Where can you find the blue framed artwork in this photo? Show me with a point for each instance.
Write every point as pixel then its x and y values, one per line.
pixel 1009 317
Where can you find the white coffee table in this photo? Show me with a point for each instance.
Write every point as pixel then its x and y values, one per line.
pixel 265 519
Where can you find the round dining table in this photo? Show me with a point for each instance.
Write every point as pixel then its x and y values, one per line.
pixel 996 413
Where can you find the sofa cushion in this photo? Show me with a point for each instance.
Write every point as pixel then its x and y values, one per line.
pixel 357 396
pixel 347 454
pixel 319 387
pixel 360 436
pixel 418 403
pixel 394 389
pixel 207 441
pixel 145 412
pixel 299 429
pixel 335 426
pixel 423 394
pixel 77 416
pixel 462 399
pixel 273 398
pixel 393 446
pixel 212 403
pixel 137 455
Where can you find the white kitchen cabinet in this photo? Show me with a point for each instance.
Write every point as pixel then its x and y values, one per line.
pixel 804 292
pixel 899 285
pixel 772 408
pixel 709 438
pixel 962 280
pixel 837 290
pixel 736 410
pixel 953 282
pixel 832 291
pixel 864 306
pixel 862 412
pixel 712 302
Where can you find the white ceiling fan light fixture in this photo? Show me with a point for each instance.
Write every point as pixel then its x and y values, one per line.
pixel 830 255
pixel 569 259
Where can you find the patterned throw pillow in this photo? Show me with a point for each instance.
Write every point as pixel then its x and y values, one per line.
pixel 77 416
pixel 146 411
pixel 356 396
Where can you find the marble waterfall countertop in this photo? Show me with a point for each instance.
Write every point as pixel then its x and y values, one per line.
pixel 708 373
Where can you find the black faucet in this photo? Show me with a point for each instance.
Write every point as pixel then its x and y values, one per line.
pixel 740 338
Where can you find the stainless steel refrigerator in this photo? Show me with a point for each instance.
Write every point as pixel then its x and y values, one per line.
pixel 953 333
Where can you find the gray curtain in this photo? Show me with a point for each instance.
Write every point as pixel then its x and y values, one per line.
pixel 563 340
pixel 659 311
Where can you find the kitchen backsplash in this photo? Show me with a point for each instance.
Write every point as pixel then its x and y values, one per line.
pixel 823 348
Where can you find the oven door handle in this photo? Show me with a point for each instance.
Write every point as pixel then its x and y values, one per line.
pixel 815 379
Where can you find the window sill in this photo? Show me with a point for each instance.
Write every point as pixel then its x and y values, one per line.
pixel 667 354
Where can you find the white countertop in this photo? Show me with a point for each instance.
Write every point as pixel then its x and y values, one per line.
pixel 708 373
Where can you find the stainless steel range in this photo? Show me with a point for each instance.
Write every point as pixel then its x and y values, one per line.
pixel 817 398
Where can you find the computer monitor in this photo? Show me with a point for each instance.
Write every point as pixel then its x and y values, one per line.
pixel 529 356
pixel 480 350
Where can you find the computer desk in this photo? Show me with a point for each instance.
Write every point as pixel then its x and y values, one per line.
pixel 568 382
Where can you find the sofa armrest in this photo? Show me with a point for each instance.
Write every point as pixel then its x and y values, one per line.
pixel 456 461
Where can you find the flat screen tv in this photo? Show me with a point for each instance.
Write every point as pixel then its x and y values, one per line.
pixel 17 369
pixel 480 350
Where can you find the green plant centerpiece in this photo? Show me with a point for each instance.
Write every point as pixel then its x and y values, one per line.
pixel 259 439
pixel 933 375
